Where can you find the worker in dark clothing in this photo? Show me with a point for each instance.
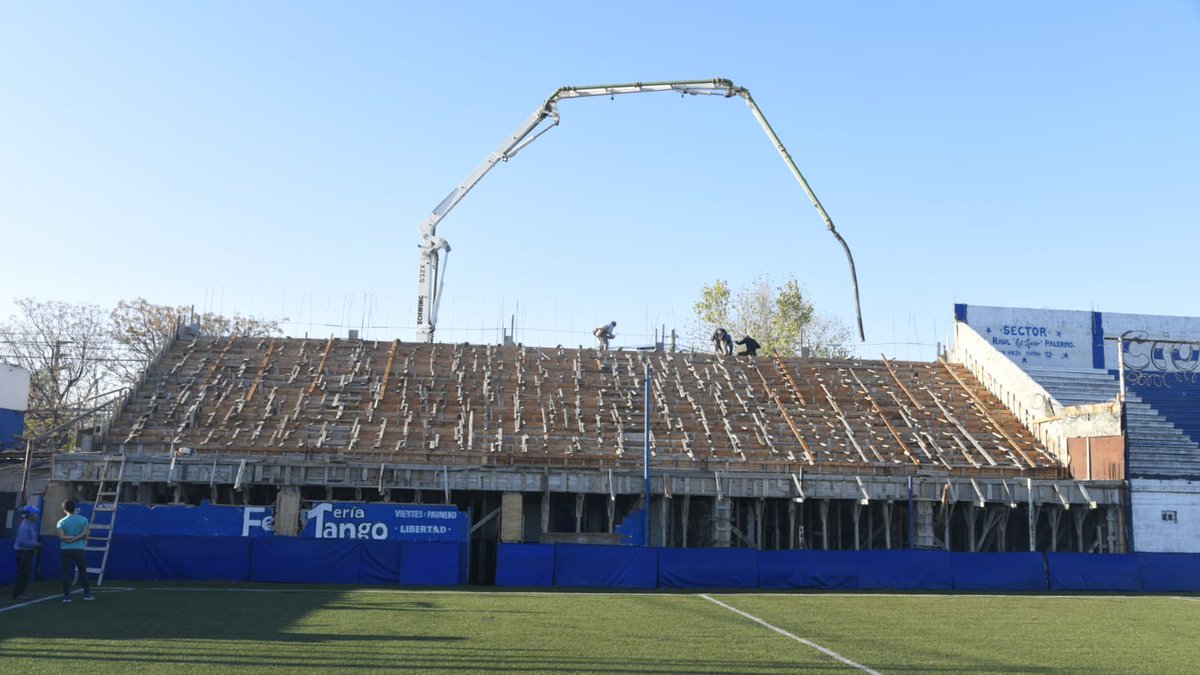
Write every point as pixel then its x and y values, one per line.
pixel 722 341
pixel 751 346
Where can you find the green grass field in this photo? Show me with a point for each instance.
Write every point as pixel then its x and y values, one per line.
pixel 158 627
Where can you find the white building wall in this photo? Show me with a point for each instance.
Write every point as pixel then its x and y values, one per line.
pixel 1057 338
pixel 1045 338
pixel 1166 516
pixel 14 387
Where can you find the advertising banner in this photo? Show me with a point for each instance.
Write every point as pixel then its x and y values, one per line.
pixel 323 520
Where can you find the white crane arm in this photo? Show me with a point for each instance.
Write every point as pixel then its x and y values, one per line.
pixel 429 287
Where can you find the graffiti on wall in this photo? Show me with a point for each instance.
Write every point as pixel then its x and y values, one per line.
pixel 1151 362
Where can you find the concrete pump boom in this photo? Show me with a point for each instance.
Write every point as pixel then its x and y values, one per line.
pixel 429 285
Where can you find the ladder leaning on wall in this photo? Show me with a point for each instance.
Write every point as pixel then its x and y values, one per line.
pixel 104 515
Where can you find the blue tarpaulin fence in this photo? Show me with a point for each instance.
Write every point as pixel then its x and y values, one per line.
pixel 533 565
pixel 267 559
pixel 358 561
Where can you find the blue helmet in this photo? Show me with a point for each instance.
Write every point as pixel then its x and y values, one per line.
pixel 29 510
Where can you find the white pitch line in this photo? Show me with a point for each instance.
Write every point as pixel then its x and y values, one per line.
pixel 56 596
pixel 808 643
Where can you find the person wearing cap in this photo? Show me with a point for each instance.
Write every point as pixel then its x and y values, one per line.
pixel 72 535
pixel 26 547
pixel 604 334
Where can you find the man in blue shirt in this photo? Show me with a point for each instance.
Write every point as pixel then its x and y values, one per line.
pixel 72 535
pixel 26 547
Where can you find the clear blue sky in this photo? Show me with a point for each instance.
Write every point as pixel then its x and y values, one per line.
pixel 277 158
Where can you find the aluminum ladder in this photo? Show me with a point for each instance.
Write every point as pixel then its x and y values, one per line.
pixel 104 515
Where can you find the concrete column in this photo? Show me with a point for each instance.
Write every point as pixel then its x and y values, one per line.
pixel 1054 514
pixel 56 493
pixel 924 525
pixel 1078 515
pixel 823 509
pixel 855 514
pixel 664 517
pixel 972 516
pixel 512 517
pixel 1113 523
pixel 287 511
pixel 722 522
pixel 758 524
pixel 887 527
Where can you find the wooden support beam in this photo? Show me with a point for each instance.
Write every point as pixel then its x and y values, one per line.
pixel 262 368
pixel 849 430
pixel 866 498
pixel 798 482
pixel 978 493
pixel 387 369
pixel 787 375
pixel 321 365
pixel 963 430
pixel 891 371
pixel 1087 497
pixel 808 455
pixel 986 413
pixel 1061 497
pixel 879 411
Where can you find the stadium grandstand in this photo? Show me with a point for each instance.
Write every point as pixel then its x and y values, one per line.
pixel 1015 440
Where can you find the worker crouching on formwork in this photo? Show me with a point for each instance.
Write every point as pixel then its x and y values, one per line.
pixel 605 333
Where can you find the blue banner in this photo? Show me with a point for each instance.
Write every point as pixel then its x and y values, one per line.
pixel 325 520
pixel 386 522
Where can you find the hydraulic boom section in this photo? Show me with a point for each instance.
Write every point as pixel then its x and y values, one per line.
pixel 429 283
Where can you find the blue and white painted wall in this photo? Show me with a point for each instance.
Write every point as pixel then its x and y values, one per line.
pixel 14 402
pixel 1165 513
pixel 1078 340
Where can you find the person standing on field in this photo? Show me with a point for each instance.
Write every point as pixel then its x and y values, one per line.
pixel 26 547
pixel 72 536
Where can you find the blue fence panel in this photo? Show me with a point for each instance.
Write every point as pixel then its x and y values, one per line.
pixel 47 564
pixel 905 570
pixel 8 562
pixel 125 558
pixel 1169 572
pixel 998 571
pixel 305 561
pixel 432 563
pixel 1093 571
pixel 596 566
pixel 197 558
pixel 380 562
pixel 707 568
pixel 525 565
pixel 807 569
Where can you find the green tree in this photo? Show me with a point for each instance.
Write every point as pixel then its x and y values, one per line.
pixel 781 318
pixel 67 350
pixel 143 328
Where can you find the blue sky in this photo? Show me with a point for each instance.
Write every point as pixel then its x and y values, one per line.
pixel 277 158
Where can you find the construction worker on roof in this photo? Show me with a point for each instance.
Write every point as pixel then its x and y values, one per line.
pixel 722 341
pixel 605 333
pixel 751 346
